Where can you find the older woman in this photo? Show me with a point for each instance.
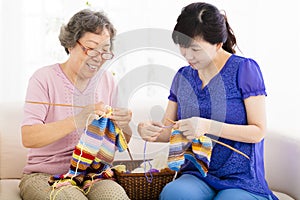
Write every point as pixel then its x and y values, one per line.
pixel 50 130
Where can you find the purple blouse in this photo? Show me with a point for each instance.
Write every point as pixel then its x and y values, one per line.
pixel 222 99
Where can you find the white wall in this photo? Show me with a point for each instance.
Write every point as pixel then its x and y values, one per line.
pixel 268 32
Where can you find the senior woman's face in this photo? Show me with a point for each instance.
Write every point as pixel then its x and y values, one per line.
pixel 91 51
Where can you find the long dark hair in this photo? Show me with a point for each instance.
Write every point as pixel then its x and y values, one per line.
pixel 205 21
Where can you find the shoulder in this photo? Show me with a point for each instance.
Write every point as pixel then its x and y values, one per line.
pixel 183 74
pixel 242 66
pixel 244 61
pixel 250 78
pixel 249 67
pixel 239 61
pixel 45 78
pixel 46 71
pixel 185 71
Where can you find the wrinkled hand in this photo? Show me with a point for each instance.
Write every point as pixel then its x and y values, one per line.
pixel 149 131
pixel 89 113
pixel 121 116
pixel 193 127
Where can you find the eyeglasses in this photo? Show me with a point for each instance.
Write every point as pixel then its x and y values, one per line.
pixel 93 53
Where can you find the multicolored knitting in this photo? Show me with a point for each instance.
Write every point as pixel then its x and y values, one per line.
pixel 93 155
pixel 198 152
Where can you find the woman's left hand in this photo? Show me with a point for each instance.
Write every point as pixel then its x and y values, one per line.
pixel 193 127
pixel 121 116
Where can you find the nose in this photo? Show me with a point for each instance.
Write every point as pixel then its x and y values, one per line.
pixel 187 53
pixel 97 58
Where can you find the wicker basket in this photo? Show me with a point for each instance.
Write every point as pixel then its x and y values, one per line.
pixel 136 185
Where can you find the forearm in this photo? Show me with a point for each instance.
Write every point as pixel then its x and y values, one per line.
pixel 164 136
pixel 241 133
pixel 167 121
pixel 39 135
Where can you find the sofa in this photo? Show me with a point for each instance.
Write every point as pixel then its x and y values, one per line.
pixel 282 153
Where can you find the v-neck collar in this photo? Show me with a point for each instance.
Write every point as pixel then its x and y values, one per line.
pixel 69 82
pixel 199 81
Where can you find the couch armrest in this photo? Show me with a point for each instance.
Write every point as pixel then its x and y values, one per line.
pixel 282 163
pixel 12 153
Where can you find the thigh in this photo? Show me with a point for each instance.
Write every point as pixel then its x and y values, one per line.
pixel 237 194
pixel 106 189
pixel 187 187
pixel 35 187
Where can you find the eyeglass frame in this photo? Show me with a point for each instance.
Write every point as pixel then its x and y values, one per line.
pixel 87 49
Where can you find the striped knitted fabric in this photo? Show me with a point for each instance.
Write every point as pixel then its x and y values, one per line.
pixel 198 152
pixel 93 154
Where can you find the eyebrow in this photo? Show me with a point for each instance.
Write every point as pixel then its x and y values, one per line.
pixel 195 45
pixel 92 41
pixel 107 44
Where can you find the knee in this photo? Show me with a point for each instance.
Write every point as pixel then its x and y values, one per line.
pixel 236 194
pixel 187 186
pixel 107 189
pixel 170 191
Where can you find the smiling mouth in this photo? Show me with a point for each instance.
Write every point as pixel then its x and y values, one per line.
pixel 92 67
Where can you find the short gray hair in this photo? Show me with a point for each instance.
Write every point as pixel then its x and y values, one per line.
pixel 84 21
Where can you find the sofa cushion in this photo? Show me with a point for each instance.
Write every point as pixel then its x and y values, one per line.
pixel 9 189
pixel 282 196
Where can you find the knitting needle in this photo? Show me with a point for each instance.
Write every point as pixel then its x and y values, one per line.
pixel 69 105
pixel 171 121
pixel 122 135
pixel 129 153
pixel 230 147
pixel 169 126
pixel 54 104
pixel 221 143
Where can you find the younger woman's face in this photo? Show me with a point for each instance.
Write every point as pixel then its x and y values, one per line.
pixel 200 53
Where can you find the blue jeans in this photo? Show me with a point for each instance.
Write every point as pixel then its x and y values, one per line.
pixel 193 188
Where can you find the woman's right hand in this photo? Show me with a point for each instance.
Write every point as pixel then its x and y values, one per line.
pixel 149 131
pixel 89 113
